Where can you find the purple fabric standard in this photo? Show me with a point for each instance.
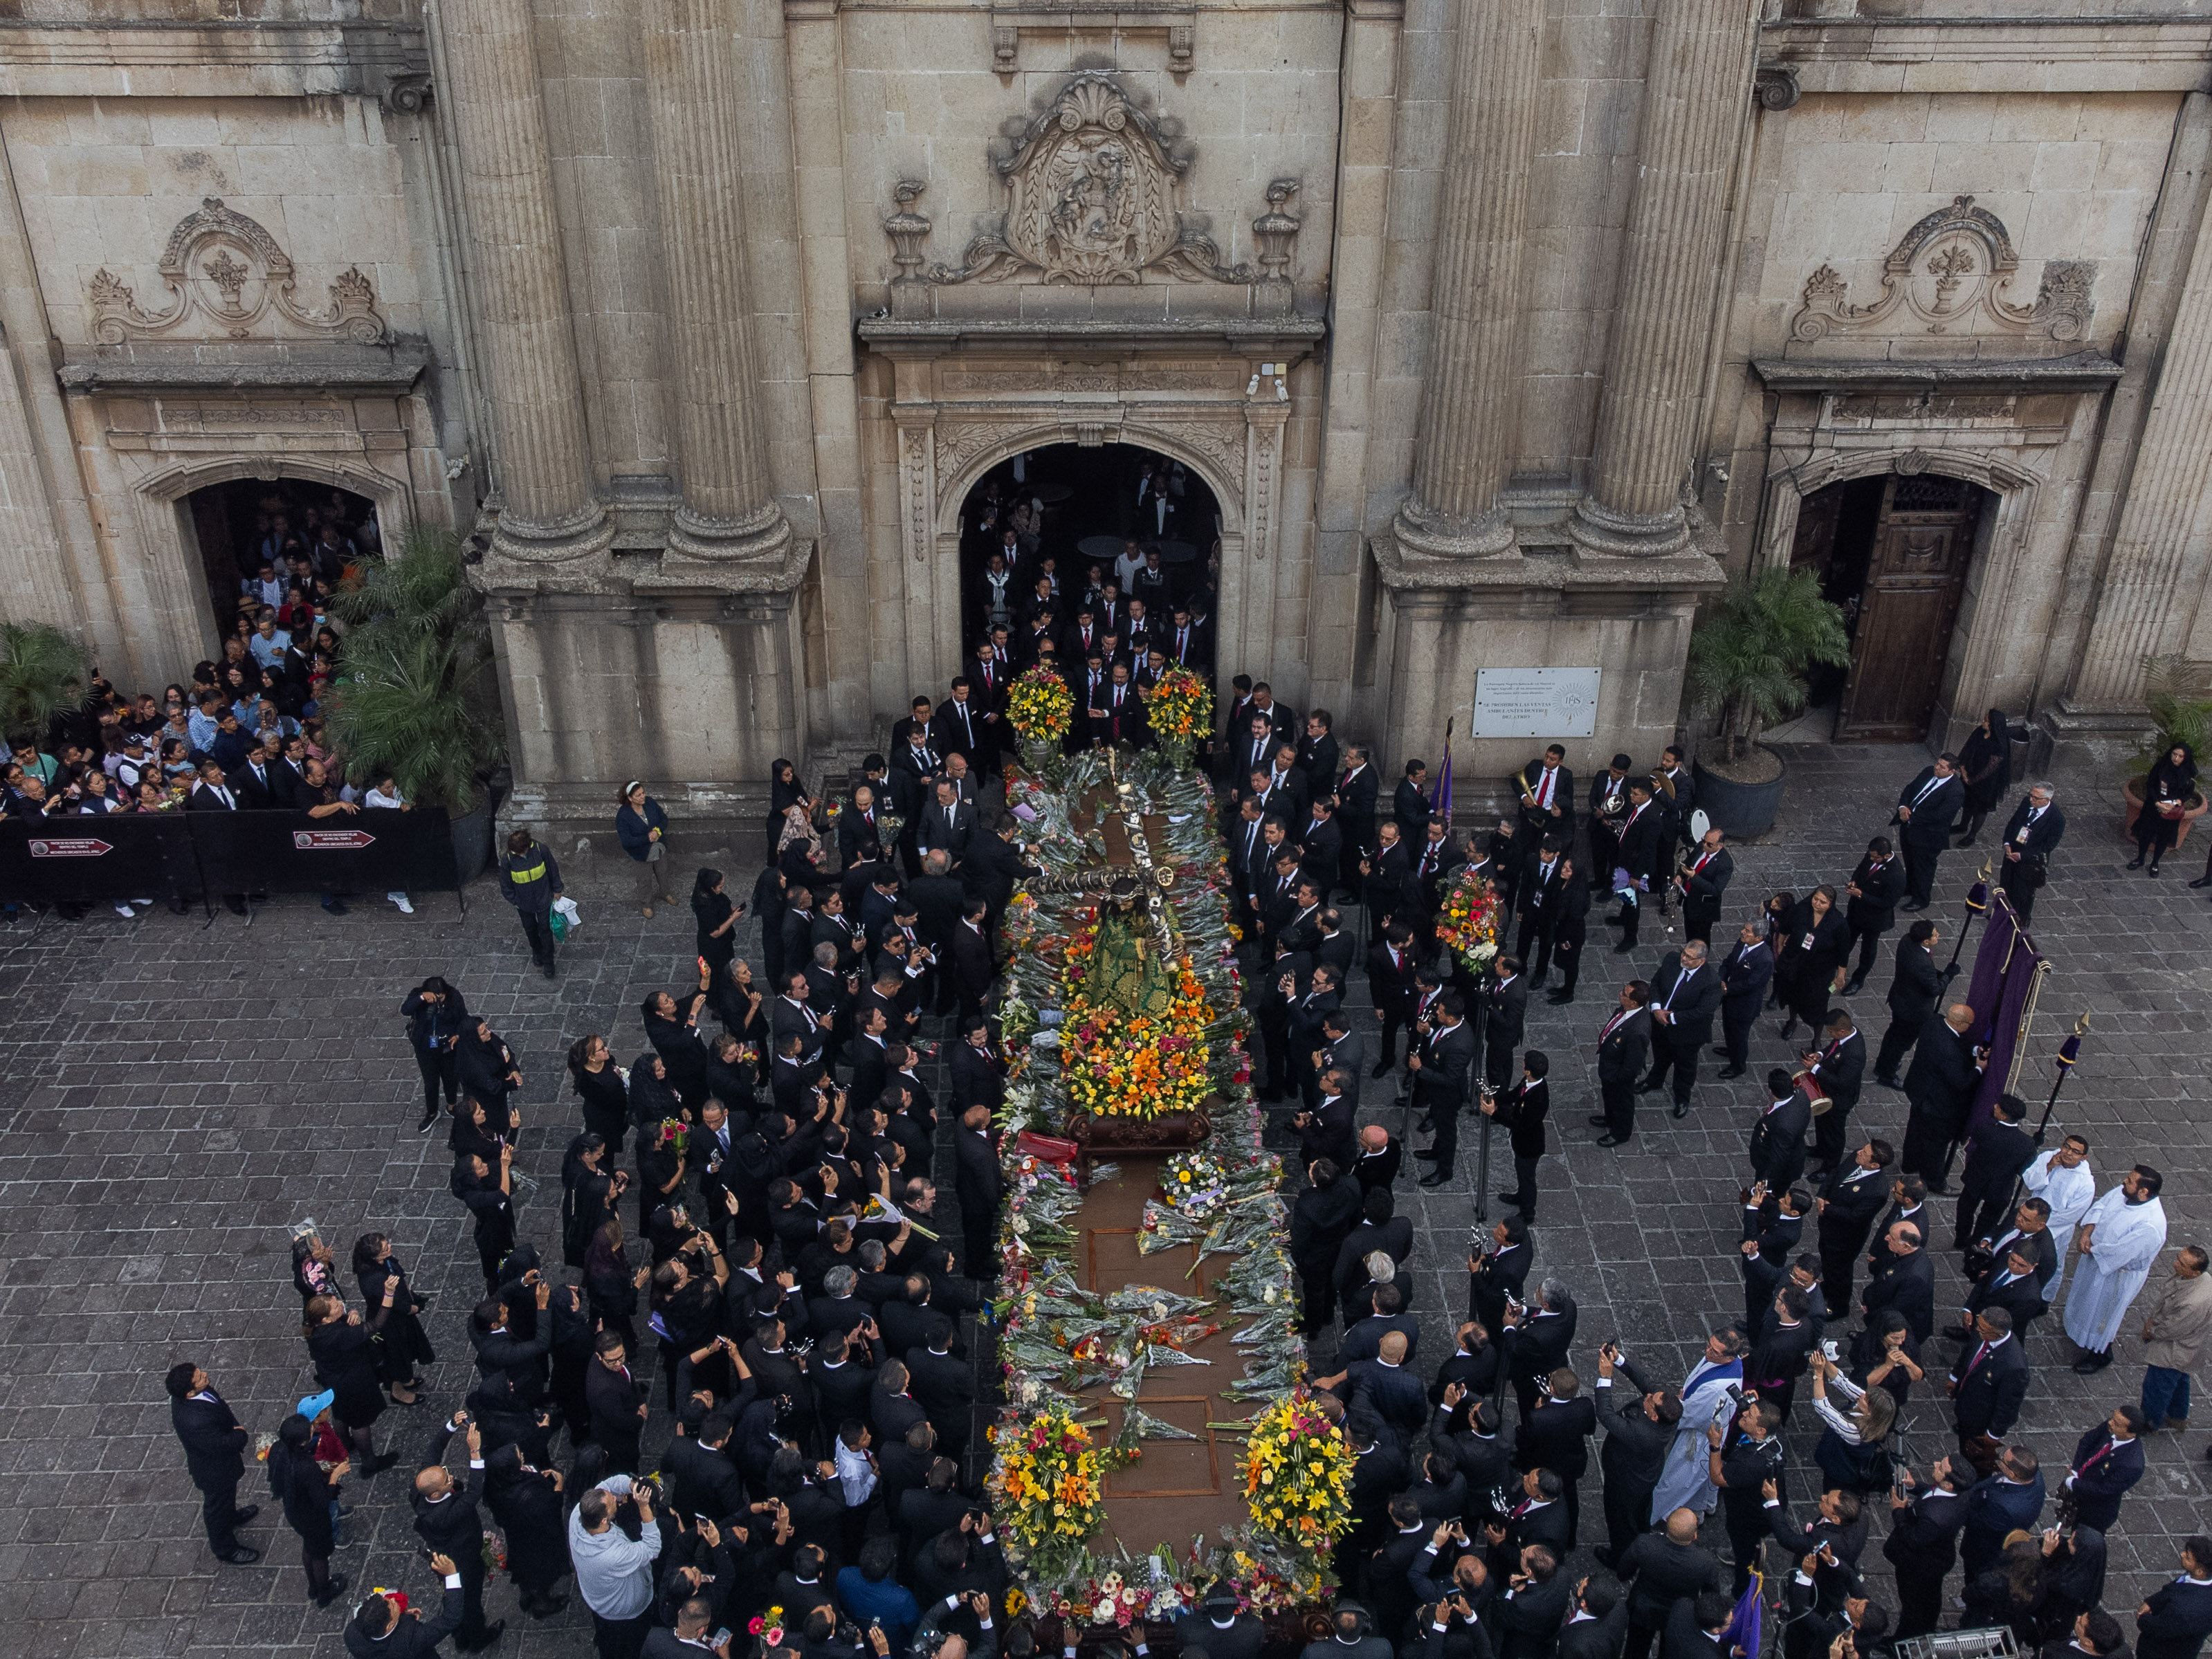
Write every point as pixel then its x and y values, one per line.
pixel 2015 965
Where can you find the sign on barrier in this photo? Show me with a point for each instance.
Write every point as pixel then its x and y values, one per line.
pixel 188 855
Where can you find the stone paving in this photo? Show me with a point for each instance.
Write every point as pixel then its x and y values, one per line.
pixel 178 1094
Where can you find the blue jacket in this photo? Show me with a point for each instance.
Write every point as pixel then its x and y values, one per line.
pixel 529 879
pixel 888 1604
pixel 635 831
pixel 1996 1507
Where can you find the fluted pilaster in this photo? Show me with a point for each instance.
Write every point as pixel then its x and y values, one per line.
pixel 729 510
pixel 1471 396
pixel 2172 472
pixel 543 457
pixel 1694 95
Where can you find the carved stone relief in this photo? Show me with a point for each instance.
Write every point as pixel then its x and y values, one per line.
pixel 1951 274
pixel 1091 186
pixel 226 274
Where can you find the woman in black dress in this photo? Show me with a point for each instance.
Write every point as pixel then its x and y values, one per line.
pixel 785 792
pixel 660 1170
pixel 1815 941
pixel 436 1016
pixel 488 1071
pixel 1774 917
pixel 2009 1594
pixel 2073 1579
pixel 599 1085
pixel 1886 1355
pixel 770 908
pixel 526 1504
pixel 406 1344
pixel 344 1350
pixel 611 1283
pixel 1985 763
pixel 651 1098
pixel 2166 794
pixel 308 1495
pixel 716 914
pixel 588 1195
pixel 472 1133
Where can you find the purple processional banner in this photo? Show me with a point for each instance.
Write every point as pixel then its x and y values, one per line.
pixel 2007 974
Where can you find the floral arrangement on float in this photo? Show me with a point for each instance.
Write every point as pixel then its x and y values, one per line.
pixel 1048 1483
pixel 1144 1064
pixel 1468 924
pixel 1298 1475
pixel 1041 708
pixel 1178 713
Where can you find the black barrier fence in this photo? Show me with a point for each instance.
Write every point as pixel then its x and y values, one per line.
pixel 182 856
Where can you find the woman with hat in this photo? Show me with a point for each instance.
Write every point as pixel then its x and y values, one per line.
pixel 642 828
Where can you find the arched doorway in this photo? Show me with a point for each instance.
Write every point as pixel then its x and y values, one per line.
pixel 1894 551
pixel 1072 510
pixel 299 531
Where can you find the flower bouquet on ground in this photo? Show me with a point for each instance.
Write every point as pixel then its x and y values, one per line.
pixel 1179 709
pixel 1468 922
pixel 1040 708
pixel 1297 1476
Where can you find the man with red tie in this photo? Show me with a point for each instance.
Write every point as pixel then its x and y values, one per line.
pixel 1986 1388
pixel 1702 882
pixel 1548 795
pixel 1183 643
pixel 1622 1045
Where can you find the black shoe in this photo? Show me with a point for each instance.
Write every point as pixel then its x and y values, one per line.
pixel 2090 1364
pixel 428 1118
pixel 235 905
pixel 2201 881
pixel 493 1631
pixel 378 1465
pixel 1438 1178
pixel 1425 1126
pixel 1787 1026
pixel 331 1590
pixel 2137 862
pixel 1681 1109
pixel 1612 1140
pixel 240 1516
pixel 240 1556
pixel 1425 1151
pixel 1624 947
pixel 1558 998
pixel 2152 871
pixel 333 905
pixel 1851 987
pixel 548 966
pixel 1381 1069
pixel 1648 1088
pixel 544 1607
pixel 1728 1072
pixel 1939 1189
pixel 1598 1121
pixel 1889 1082
pixel 1912 905
pixel 1514 1198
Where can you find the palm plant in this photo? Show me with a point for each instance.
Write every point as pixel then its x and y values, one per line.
pixel 414 691
pixel 43 673
pixel 1749 655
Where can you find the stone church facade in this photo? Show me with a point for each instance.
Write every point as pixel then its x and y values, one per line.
pixel 1500 333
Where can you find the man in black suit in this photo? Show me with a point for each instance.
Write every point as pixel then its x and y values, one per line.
pixel 2011 1283
pixel 1498 1277
pixel 976 1080
pixel 1745 976
pixel 978 1186
pixel 1643 836
pixel 1540 898
pixel 1325 1131
pixel 1441 1072
pixel 1987 1387
pixel 1777 1140
pixel 2174 1622
pixel 1941 1087
pixel 1320 1220
pixel 973 970
pixel 1622 1045
pixel 215 1455
pixel 1523 1110
pixel 1356 792
pixel 1320 846
pixel 1409 805
pixel 1923 1542
pixel 1741 1463
pixel 1698 1626
pixel 1505 1020
pixel 2108 1462
pixel 1997 1150
pixel 1377 1156
pixel 2031 835
pixel 1666 1571
pixel 1555 1436
pixel 256 783
pixel 1701 883
pixel 1390 969
pixel 1686 994
pixel 947 825
pixel 1926 809
pixel 1839 1069
pixel 1390 895
pixel 1850 1199
pixel 615 1399
pixel 1639 1428
pixel 448 1521
pixel 1598 1623
pixel 1913 990
pixel 1905 1280
pixel 1875 887
pixel 377 1629
pixel 1546 789
pixel 1534 1340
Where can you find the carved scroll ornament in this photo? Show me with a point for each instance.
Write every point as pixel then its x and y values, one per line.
pixel 225 272
pixel 1951 274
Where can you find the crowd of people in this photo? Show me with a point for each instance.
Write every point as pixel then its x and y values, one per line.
pixel 245 734
pixel 795 1298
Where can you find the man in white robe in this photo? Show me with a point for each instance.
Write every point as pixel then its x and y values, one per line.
pixel 2120 1237
pixel 2061 1178
pixel 1685 1480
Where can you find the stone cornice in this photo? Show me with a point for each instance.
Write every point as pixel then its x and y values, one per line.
pixel 933 336
pixel 216 58
pixel 2084 371
pixel 159 369
pixel 2002 55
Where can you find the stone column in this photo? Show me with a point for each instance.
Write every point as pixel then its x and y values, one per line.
pixel 1694 97
pixel 543 468
pixel 729 510
pixel 1471 395
pixel 2135 614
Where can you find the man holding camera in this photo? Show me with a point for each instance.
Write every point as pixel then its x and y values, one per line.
pixel 385 1627
pixel 614 1572
pixel 1923 1542
pixel 1637 1437
pixel 447 1520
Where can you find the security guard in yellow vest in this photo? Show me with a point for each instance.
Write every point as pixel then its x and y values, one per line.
pixel 531 880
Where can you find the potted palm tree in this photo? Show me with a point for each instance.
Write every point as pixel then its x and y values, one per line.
pixel 2180 714
pixel 416 691
pixel 43 673
pixel 1748 660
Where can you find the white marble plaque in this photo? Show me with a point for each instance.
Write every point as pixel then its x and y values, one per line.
pixel 1536 702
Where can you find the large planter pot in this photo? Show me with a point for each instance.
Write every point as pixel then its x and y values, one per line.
pixel 2132 792
pixel 1741 811
pixel 471 834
